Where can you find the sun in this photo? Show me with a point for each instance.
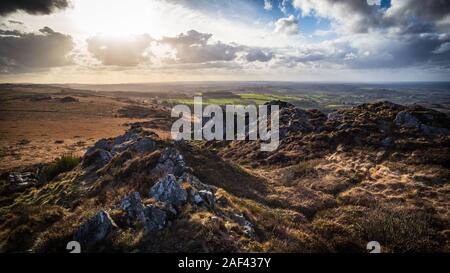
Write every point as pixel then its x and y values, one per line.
pixel 116 17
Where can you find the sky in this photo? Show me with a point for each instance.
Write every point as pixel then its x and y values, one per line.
pixel 116 41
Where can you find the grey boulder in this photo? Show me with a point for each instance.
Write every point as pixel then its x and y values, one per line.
pixel 170 191
pixel 149 217
pixel 94 229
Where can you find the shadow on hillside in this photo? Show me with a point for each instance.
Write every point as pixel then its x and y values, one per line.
pixel 211 169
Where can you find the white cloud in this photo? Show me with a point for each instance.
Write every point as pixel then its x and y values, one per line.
pixel 287 25
pixel 283 6
pixel 267 5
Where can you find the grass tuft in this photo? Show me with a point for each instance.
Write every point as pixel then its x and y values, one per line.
pixel 62 164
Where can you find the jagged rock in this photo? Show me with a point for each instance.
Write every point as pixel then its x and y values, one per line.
pixel 245 224
pixel 422 120
pixel 150 217
pixel 144 145
pixel 156 218
pixel 175 156
pixel 335 116
pixel 196 198
pixel 208 197
pixel 131 135
pixel 102 144
pixel 196 183
pixel 170 162
pixel 96 159
pixel 200 193
pixel 406 119
pixel 94 229
pixel 141 145
pixel 134 208
pixel 169 190
pixel 164 168
pixel 21 180
pixel 203 197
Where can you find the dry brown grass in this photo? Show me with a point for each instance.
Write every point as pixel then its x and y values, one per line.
pixel 401 230
pixel 21 224
pixel 69 127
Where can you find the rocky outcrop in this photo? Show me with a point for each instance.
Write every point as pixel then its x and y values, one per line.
pixel 310 134
pixel 139 145
pixel 428 121
pixel 170 162
pixel 94 229
pixel 134 208
pixel 136 141
pixel 245 224
pixel 204 197
pixel 133 153
pixel 170 191
pixel 96 159
pixel 17 181
pixel 138 215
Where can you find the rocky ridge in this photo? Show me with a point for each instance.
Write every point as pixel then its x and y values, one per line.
pixel 338 180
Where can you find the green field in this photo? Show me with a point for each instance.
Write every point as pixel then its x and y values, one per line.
pixel 242 98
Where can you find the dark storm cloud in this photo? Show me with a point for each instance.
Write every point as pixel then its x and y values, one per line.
pixel 129 51
pixel 193 47
pixel 412 29
pixel 429 9
pixel 361 16
pixel 412 52
pixel 32 6
pixel 27 52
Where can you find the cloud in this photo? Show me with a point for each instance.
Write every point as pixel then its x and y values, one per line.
pixel 368 15
pixel 372 51
pixel 194 47
pixel 283 6
pixel 445 47
pixel 350 15
pixel 32 6
pixel 406 34
pixel 26 52
pixel 287 25
pixel 128 51
pixel 267 5
pixel 207 66
pixel 430 10
pixel 256 54
pixel 410 51
pixel 14 22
